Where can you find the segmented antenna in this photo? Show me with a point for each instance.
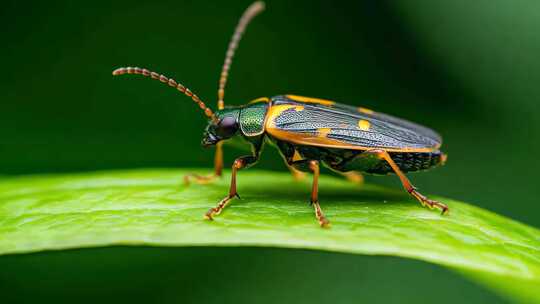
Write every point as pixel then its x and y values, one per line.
pixel 253 10
pixel 171 82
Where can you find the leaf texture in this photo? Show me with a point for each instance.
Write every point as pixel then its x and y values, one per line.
pixel 152 207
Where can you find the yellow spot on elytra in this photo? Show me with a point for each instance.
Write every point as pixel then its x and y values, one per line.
pixel 365 110
pixel 310 100
pixel 323 132
pixel 364 125
pixel 299 108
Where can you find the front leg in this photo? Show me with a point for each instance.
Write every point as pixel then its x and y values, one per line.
pixel 239 163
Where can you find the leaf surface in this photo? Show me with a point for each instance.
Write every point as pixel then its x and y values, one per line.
pixel 152 207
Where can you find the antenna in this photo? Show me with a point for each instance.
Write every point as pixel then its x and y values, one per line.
pixel 171 82
pixel 253 10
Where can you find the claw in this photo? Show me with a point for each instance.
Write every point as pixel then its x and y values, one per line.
pixel 324 223
pixel 208 215
pixel 431 204
pixel 445 210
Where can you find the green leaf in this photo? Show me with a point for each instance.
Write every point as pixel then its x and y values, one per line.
pixel 152 207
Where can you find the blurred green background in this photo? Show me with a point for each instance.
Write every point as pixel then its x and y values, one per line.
pixel 470 70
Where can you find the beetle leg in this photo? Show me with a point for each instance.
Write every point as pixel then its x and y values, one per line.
pixel 313 166
pixel 199 179
pixel 296 174
pixel 218 169
pixel 218 159
pixel 353 176
pixel 239 163
pixel 290 155
pixel 407 184
pixel 293 156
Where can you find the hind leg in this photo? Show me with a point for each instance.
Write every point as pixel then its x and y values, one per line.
pixel 290 154
pixel 296 174
pixel 353 176
pixel 381 154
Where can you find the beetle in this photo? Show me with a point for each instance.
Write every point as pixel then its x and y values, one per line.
pixel 309 132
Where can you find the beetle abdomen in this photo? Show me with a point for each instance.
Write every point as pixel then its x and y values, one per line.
pixel 409 162
pixel 345 160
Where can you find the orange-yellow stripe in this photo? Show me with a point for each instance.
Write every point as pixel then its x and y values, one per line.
pixel 310 100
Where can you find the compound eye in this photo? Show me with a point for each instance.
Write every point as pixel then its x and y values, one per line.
pixel 227 127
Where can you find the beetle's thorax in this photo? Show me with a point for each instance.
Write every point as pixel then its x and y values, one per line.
pixel 252 119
